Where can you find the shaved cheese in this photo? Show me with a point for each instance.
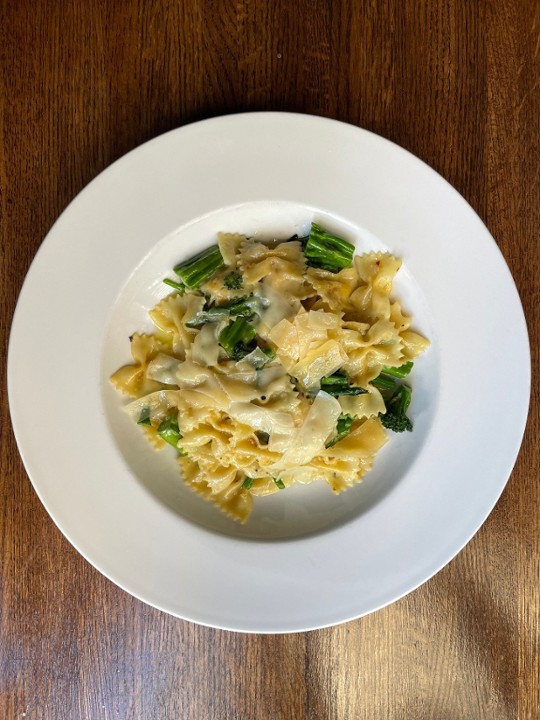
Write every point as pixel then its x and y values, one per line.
pixel 279 306
pixel 156 405
pixel 163 368
pixel 323 360
pixel 310 439
pixel 205 349
pixel 260 418
pixel 285 336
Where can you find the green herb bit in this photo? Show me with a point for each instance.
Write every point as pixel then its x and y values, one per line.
pixel 269 352
pixel 399 372
pixel 280 484
pixel 327 251
pixel 248 482
pixel 233 281
pixel 395 417
pixel 169 431
pixel 177 286
pixel 263 437
pixel 343 428
pixel 235 337
pixel 144 418
pixel 200 268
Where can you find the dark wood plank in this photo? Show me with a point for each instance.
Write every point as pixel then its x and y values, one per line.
pixel 455 82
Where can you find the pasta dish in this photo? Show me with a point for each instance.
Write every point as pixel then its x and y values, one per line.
pixel 273 364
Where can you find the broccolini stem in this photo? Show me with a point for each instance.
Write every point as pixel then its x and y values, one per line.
pixel 235 337
pixel 200 268
pixel 339 384
pixel 338 379
pixel 327 251
pixel 169 431
pixel 399 372
pixel 343 428
pixel 177 286
pixel 383 382
pixel 337 390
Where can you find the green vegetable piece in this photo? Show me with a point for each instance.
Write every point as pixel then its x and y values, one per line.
pixel 235 337
pixel 399 372
pixel 168 430
pixel 279 483
pixel 335 391
pixel 339 384
pixel 248 482
pixel 233 281
pixel 383 382
pixel 395 417
pixel 343 428
pixel 269 352
pixel 263 437
pixel 327 251
pixel 177 286
pixel 200 268
pixel 239 307
pixel 338 379
pixel 144 418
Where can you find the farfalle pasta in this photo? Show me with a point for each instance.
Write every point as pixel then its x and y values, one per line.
pixel 273 364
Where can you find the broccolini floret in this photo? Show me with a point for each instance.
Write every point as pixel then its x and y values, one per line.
pixel 233 281
pixel 395 417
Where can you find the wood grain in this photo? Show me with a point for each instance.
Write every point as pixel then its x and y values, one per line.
pixel 454 81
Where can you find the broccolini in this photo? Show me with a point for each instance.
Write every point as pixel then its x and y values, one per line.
pixel 327 251
pixel 343 428
pixel 235 338
pixel 395 417
pixel 200 268
pixel 233 281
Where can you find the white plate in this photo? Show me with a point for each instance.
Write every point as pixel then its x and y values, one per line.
pixel 307 559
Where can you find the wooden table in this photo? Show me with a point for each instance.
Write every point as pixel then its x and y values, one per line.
pixel 455 82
